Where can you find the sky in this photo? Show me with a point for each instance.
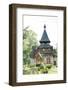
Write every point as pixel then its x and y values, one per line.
pixel 36 23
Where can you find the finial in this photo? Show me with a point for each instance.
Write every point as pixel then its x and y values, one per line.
pixel 44 27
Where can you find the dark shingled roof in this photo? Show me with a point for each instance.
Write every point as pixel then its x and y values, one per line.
pixel 43 45
pixel 44 38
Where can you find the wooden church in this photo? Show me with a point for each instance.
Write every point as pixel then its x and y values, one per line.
pixel 44 52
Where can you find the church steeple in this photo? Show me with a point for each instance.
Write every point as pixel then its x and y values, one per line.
pixel 44 38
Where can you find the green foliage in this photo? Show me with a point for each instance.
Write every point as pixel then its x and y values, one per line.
pixel 42 69
pixel 48 66
pixel 29 41
pixel 55 52
pixel 45 70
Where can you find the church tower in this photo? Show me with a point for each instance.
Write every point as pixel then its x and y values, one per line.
pixel 45 48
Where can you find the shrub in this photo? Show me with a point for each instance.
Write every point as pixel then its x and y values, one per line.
pixel 48 66
pixel 42 67
pixel 44 70
pixel 33 65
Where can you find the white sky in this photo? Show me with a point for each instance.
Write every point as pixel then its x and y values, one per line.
pixel 36 23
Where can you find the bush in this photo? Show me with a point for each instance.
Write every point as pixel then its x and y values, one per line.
pixel 33 69
pixel 42 67
pixel 44 70
pixel 33 65
pixel 48 66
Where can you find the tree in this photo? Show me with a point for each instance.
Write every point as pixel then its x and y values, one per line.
pixel 29 41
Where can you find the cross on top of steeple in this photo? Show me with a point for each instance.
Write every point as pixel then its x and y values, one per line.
pixel 44 27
